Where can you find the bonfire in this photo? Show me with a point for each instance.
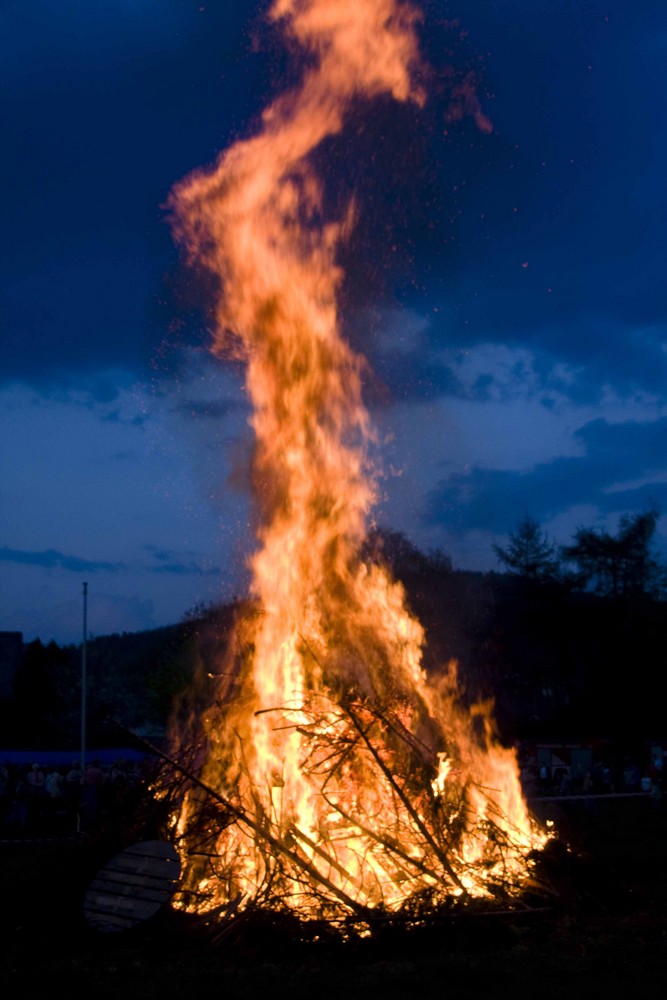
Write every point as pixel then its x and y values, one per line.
pixel 340 781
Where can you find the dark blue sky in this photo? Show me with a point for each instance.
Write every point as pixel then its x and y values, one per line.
pixel 507 286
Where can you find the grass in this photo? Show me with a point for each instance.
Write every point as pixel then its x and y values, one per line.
pixel 604 933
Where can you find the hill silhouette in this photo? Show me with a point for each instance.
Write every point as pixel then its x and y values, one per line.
pixel 558 662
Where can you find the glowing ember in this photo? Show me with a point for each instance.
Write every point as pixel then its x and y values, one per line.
pixel 340 779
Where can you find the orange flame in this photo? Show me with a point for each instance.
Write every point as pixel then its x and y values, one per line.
pixel 331 667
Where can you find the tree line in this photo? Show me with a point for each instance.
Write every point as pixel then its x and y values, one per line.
pixel 623 564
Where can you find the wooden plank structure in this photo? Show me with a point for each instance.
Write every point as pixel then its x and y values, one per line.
pixel 132 886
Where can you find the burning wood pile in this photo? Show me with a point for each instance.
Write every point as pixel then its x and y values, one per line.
pixel 340 782
pixel 398 829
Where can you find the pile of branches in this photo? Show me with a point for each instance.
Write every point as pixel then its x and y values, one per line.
pixel 344 875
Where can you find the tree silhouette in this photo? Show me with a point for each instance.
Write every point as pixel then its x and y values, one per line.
pixel 530 553
pixel 618 565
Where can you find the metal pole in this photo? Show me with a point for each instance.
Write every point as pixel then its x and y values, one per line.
pixel 83 679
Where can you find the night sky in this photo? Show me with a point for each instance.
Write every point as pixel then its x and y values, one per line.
pixel 505 279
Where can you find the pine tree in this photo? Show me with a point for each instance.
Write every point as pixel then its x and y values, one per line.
pixel 530 553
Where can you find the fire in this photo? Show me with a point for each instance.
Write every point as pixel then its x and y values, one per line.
pixel 340 779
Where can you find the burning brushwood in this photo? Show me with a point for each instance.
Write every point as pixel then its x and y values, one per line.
pixel 391 829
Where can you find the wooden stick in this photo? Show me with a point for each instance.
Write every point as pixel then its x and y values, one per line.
pixel 406 802
pixel 388 843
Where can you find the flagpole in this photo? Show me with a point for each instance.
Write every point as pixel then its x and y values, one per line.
pixel 83 679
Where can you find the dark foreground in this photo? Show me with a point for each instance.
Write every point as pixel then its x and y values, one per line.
pixel 603 935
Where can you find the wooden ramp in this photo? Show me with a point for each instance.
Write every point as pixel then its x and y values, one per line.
pixel 132 886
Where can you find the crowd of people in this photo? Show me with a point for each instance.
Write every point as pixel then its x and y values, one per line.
pixel 600 779
pixel 38 800
pixel 53 800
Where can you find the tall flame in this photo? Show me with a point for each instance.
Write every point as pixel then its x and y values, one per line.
pixel 316 751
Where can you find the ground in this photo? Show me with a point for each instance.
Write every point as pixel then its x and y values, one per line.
pixel 603 935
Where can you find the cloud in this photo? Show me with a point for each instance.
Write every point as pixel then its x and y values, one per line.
pixel 622 469
pixel 187 569
pixel 162 555
pixel 52 558
pixel 416 376
pixel 172 562
pixel 418 357
pixel 597 350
